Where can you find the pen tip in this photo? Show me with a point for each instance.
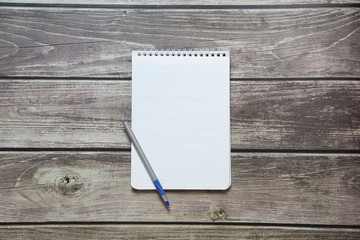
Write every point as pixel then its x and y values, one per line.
pixel 167 203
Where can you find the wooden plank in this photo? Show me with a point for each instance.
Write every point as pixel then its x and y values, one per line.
pixel 95 186
pixel 182 3
pixel 313 115
pixel 176 231
pixel 264 43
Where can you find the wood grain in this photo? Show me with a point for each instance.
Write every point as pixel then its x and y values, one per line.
pixel 313 115
pixel 176 231
pixel 264 43
pixel 95 186
pixel 181 3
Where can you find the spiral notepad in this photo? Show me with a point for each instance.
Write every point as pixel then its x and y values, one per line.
pixel 181 117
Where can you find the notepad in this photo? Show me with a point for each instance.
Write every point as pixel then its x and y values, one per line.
pixel 181 118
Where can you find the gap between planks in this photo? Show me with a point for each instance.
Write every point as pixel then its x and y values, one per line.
pixel 233 150
pixel 180 7
pixel 127 79
pixel 134 223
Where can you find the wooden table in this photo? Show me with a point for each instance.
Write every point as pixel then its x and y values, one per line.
pixel 65 85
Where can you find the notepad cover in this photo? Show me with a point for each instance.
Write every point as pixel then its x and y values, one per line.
pixel 181 118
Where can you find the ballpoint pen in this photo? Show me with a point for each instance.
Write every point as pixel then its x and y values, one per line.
pixel 146 163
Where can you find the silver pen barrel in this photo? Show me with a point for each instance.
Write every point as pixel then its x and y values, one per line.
pixel 140 151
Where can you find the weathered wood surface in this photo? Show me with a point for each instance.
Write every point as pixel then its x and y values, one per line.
pixel 75 39
pixel 264 114
pixel 188 3
pixel 264 43
pixel 176 231
pixel 95 186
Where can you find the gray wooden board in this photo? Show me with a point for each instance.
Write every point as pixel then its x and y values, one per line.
pixel 95 186
pixel 187 3
pixel 280 114
pixel 173 231
pixel 264 43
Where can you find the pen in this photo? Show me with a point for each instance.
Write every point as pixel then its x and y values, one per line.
pixel 146 163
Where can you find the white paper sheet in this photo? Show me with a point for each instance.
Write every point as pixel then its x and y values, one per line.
pixel 181 118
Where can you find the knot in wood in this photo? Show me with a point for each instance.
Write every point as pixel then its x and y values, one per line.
pixel 69 185
pixel 218 214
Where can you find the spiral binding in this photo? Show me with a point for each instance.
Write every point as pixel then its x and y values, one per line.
pixel 181 53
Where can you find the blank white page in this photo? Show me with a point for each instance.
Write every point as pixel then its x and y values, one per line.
pixel 181 118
